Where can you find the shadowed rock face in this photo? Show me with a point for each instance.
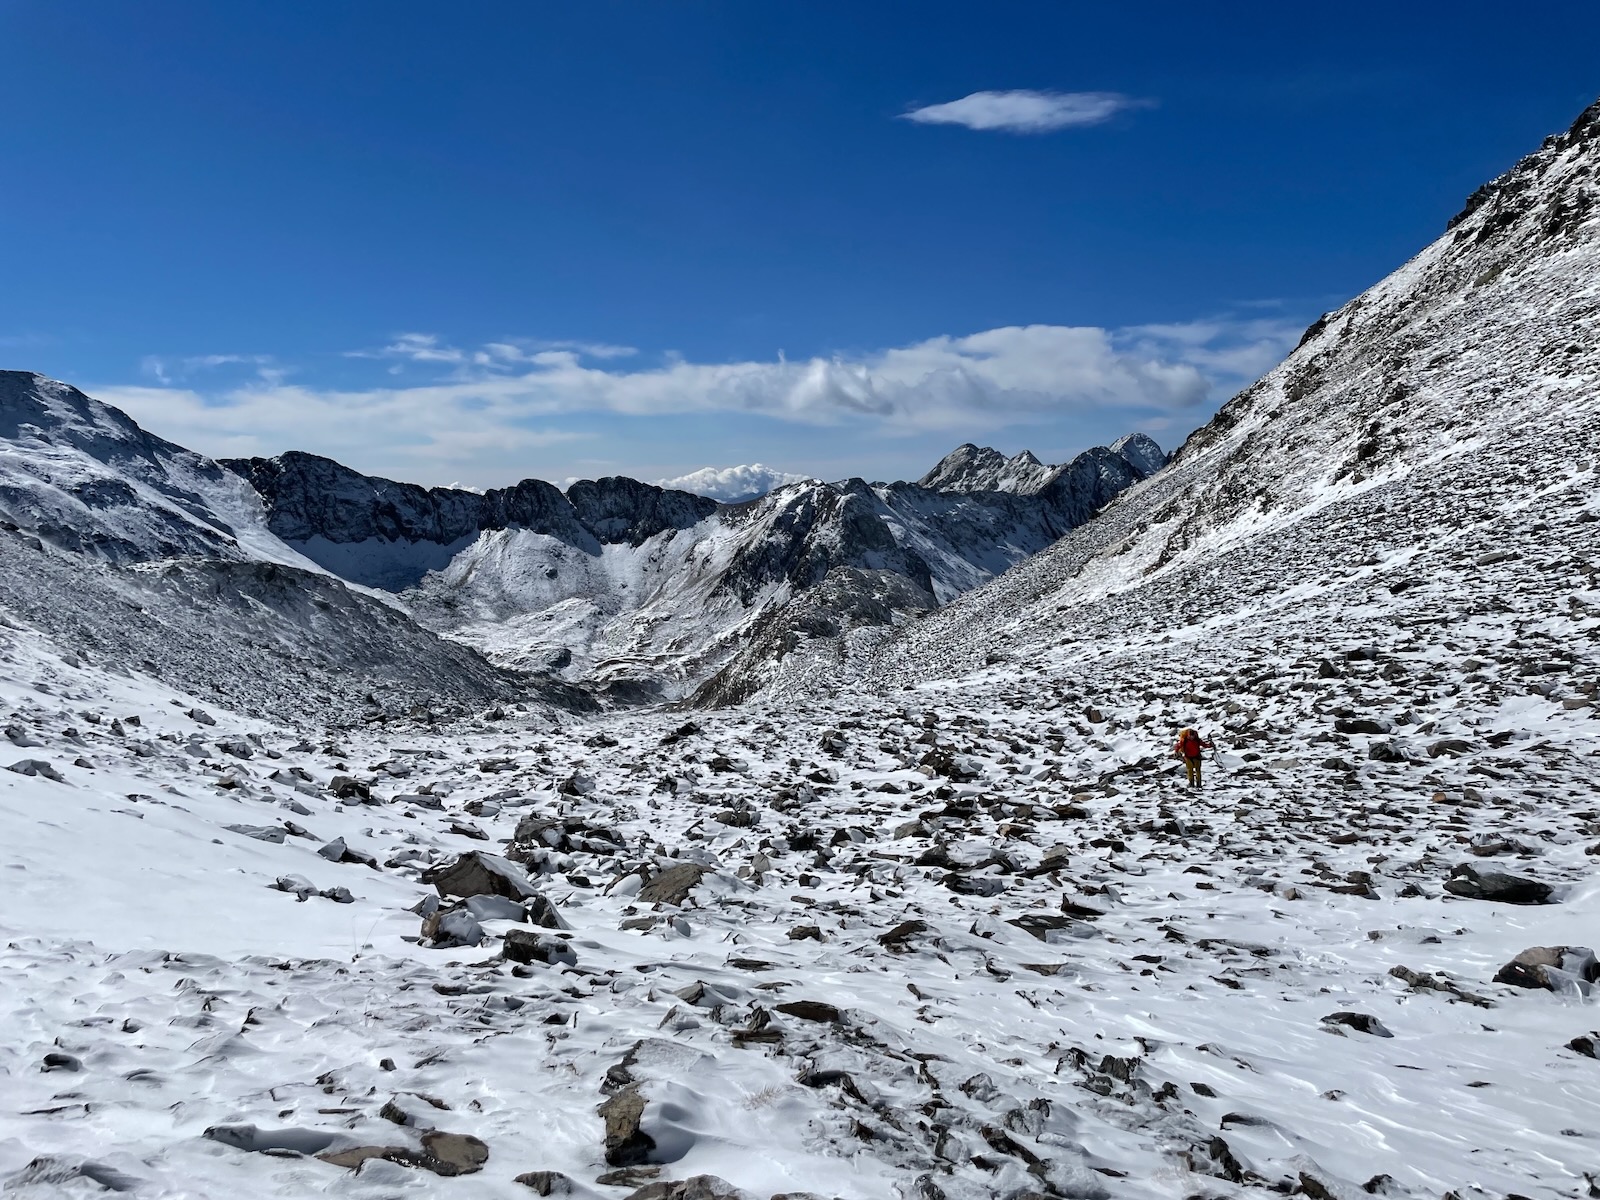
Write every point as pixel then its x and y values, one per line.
pixel 317 505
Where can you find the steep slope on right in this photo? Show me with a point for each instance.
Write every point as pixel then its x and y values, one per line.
pixel 1421 470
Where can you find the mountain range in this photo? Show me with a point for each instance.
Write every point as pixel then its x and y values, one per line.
pixel 307 895
pixel 633 591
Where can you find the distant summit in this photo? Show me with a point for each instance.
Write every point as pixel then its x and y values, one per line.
pixel 970 468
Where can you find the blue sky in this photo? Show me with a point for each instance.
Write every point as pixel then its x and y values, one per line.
pixel 481 242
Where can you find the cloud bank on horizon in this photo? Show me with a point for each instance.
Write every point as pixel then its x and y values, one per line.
pixel 733 483
pixel 1026 111
pixel 482 410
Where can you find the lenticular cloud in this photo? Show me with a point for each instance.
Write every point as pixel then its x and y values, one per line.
pixel 1025 111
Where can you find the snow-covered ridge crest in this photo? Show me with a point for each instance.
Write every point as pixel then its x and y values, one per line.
pixel 972 468
pixel 1432 420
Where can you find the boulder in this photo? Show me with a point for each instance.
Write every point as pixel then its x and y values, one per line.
pixel 973 885
pixel 812 1010
pixel 452 1153
pixel 452 927
pixel 1548 967
pixel 261 833
pixel 1367 725
pixel 898 937
pixel 345 787
pixel 525 946
pixel 626 1145
pixel 1360 1022
pixel 339 852
pixel 478 873
pixel 36 767
pixel 545 1183
pixel 1470 883
pixel 673 885
pixel 696 1187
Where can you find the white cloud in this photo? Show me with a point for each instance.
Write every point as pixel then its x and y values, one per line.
pixel 498 355
pixel 172 370
pixel 732 483
pixel 484 421
pixel 1027 111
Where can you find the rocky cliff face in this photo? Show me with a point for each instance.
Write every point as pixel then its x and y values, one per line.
pixel 386 534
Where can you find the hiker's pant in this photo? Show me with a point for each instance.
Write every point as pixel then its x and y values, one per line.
pixel 1193 764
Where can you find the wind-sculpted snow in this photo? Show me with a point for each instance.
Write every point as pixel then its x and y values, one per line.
pixel 975 941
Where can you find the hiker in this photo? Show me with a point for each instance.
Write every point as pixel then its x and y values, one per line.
pixel 1188 747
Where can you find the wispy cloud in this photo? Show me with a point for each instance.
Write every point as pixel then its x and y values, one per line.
pixel 732 483
pixel 1025 111
pixel 167 370
pixel 482 419
pixel 505 354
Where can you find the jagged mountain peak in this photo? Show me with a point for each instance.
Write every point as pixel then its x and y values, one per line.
pixel 1142 451
pixel 973 468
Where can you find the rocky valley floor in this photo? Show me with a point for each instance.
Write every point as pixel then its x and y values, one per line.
pixel 967 940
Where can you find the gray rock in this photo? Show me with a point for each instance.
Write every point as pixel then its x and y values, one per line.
pixel 261 833
pixel 63 1172
pixel 36 767
pixel 545 1183
pixel 1360 1022
pixel 1548 967
pixel 525 946
pixel 697 1187
pixel 338 851
pixel 626 1145
pixel 1363 725
pixel 302 887
pixel 478 873
pixel 452 1153
pixel 673 885
pixel 812 1010
pixel 973 885
pixel 902 934
pixel 1470 883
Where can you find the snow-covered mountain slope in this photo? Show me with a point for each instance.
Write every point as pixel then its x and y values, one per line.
pixel 82 476
pixel 1424 464
pixel 655 617
pixel 645 591
pixel 970 468
pixel 141 556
